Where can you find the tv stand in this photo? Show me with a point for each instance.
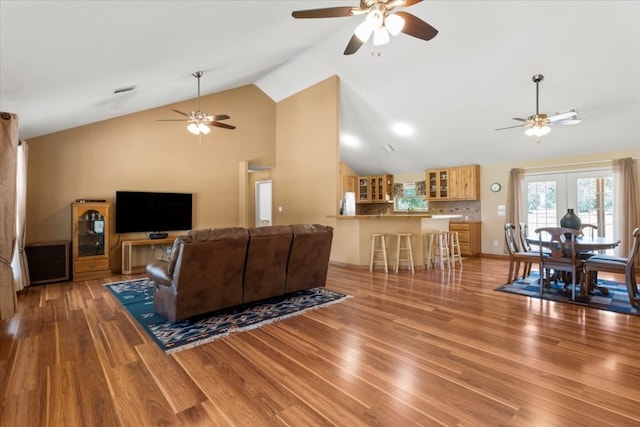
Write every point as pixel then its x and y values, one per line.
pixel 157 235
pixel 127 253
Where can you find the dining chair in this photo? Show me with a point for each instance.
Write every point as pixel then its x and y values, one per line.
pixel 591 228
pixel 591 231
pixel 559 257
pixel 616 264
pixel 517 256
pixel 526 246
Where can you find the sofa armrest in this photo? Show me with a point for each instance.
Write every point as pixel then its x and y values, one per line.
pixel 158 271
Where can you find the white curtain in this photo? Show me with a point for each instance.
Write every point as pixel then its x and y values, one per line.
pixel 19 261
pixel 626 214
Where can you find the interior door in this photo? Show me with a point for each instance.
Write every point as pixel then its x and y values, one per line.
pixel 263 203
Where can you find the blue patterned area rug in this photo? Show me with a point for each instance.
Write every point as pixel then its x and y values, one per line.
pixel 137 297
pixel 616 300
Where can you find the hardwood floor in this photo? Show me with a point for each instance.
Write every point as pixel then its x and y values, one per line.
pixel 434 348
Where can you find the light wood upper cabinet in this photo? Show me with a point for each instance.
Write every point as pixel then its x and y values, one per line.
pixel 454 183
pixel 374 189
pixel 438 184
pixel 349 184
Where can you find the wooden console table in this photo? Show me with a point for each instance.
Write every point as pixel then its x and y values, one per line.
pixel 127 252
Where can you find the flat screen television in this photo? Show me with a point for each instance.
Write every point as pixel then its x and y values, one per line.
pixel 157 213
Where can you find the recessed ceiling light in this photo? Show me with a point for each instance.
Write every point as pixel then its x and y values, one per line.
pixel 402 129
pixel 349 140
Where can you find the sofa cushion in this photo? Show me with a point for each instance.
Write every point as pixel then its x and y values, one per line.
pixel 266 266
pixel 309 256
pixel 204 234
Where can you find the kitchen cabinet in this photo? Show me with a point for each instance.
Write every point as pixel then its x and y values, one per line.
pixel 454 183
pixel 438 184
pixel 349 184
pixel 90 227
pixel 469 235
pixel 364 192
pixel 375 189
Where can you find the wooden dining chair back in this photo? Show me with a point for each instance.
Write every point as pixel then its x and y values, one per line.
pixel 516 256
pixel 616 264
pixel 524 232
pixel 560 256
pixel 590 229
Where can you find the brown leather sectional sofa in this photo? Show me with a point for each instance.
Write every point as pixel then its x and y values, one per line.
pixel 218 268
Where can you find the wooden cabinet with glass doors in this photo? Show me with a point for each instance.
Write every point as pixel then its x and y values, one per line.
pixel 375 189
pixel 90 227
pixel 364 192
pixel 438 184
pixel 454 183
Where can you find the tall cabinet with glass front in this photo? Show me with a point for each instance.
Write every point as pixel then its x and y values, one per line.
pixel 90 229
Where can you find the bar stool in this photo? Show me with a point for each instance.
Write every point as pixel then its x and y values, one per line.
pixel 440 250
pixel 454 248
pixel 378 248
pixel 406 238
pixel 429 248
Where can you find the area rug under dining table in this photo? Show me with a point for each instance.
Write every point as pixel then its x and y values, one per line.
pixel 136 296
pixel 616 300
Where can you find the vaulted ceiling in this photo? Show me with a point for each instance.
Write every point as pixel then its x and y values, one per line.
pixel 62 60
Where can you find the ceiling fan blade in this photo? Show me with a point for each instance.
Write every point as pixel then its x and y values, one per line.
pixel 567 122
pixel 180 112
pixel 520 119
pixel 511 127
pixel 222 125
pixel 562 116
pixel 216 117
pixel 329 12
pixel 172 120
pixel 354 44
pixel 416 27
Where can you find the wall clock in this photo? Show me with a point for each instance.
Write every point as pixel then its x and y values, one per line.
pixel 495 187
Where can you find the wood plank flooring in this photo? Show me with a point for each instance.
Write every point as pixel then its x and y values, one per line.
pixel 434 348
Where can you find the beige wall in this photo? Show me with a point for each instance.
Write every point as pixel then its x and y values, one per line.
pixel 492 224
pixel 298 136
pixel 136 152
pixel 305 179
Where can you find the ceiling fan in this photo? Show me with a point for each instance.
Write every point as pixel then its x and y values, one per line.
pixel 379 21
pixel 199 121
pixel 539 124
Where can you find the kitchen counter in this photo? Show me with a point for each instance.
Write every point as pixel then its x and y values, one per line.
pixel 352 235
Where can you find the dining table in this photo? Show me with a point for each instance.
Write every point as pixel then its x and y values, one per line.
pixel 585 246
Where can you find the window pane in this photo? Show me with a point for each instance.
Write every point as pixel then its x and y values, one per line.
pixel 595 203
pixel 542 204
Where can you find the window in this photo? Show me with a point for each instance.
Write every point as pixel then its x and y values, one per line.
pixel 589 193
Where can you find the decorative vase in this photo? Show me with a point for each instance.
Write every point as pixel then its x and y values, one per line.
pixel 570 220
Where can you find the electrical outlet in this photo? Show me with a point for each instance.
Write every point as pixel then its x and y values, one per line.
pixel 495 243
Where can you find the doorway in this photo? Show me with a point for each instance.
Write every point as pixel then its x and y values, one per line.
pixel 263 203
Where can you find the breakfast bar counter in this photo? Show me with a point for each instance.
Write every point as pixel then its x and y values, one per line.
pixel 352 235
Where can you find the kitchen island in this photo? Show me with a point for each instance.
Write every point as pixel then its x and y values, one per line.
pixel 352 235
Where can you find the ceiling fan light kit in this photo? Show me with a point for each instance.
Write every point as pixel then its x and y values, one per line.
pixel 539 124
pixel 199 121
pixel 378 21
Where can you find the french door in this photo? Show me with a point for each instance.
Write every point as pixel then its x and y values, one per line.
pixel 588 193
